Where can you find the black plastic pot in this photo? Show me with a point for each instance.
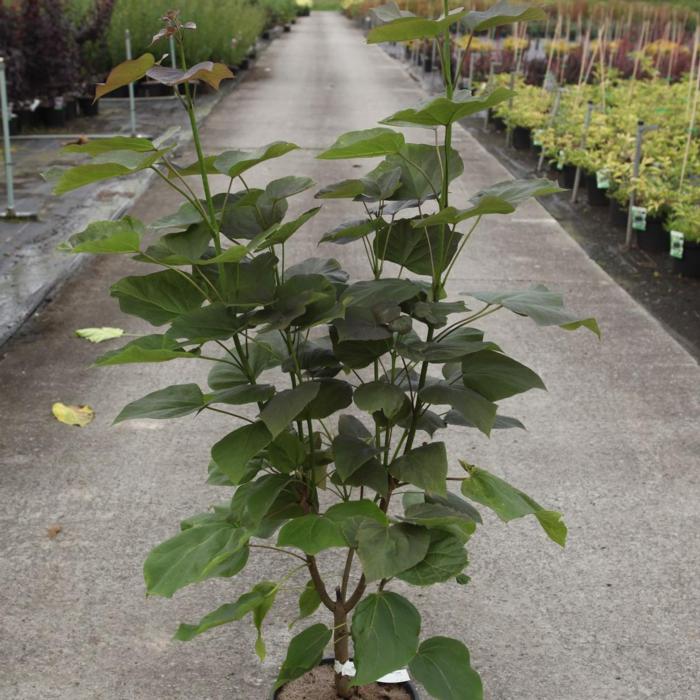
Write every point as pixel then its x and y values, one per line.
pixel 566 177
pixel 15 125
pixel 596 196
pixel 618 214
pixel 71 109
pixel 408 687
pixel 287 27
pixel 689 264
pixel 428 64
pixel 497 122
pixel 265 35
pixel 655 239
pixel 87 107
pixel 53 117
pixel 522 138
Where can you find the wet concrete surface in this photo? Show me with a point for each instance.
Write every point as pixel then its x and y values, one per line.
pixel 613 444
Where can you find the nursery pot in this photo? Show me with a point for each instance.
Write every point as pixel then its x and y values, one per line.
pixel 689 264
pixel 88 108
pixel 428 64
pixel 15 125
pixel 497 122
pixel 522 138
pixel 618 214
pixel 596 196
pixel 287 27
pixel 53 117
pixel 566 177
pixel 655 239
pixel 71 109
pixel 407 686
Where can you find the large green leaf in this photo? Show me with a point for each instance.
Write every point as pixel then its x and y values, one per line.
pixel 424 466
pixel 233 452
pixel 271 497
pixel 311 534
pixel 95 147
pixel 350 453
pixel 473 406
pixel 235 163
pixel 381 396
pixel 368 143
pixel 283 232
pixel 304 653
pixel 387 551
pixel 121 236
pixel 350 231
pixel 545 308
pixel 497 376
pixel 385 629
pixel 81 175
pixel 350 515
pixel 516 192
pixel 231 612
pixel 441 111
pixel 241 394
pixel 425 250
pixel 449 512
pixel 157 298
pixel 422 169
pixel 502 13
pixel 400 25
pixel 172 402
pixel 443 667
pixel 446 558
pixel 369 293
pixel 147 348
pixel 126 72
pixel 457 345
pixel 194 555
pixel 510 503
pixel 286 405
pixel 212 322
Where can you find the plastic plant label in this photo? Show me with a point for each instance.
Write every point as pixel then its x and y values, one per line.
pixel 677 240
pixel 602 178
pixel 537 137
pixel 560 161
pixel 639 218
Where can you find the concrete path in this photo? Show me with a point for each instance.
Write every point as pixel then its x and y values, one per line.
pixel 614 444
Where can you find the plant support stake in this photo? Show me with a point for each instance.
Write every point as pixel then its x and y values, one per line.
pixel 552 117
pixel 132 101
pixel 641 129
pixel 584 139
pixel 10 211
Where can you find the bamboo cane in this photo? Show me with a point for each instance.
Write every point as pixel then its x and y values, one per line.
pixel 691 128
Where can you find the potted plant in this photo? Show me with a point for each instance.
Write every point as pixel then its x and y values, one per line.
pixel 683 226
pixel 334 388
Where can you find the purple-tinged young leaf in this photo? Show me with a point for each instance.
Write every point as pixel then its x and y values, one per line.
pixel 125 73
pixel 211 73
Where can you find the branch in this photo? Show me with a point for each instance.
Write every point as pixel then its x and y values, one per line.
pixel 318 584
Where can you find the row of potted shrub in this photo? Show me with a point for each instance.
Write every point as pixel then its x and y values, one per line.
pixel 666 191
pixel 81 39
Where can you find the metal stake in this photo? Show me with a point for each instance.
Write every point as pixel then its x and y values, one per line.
pixel 472 61
pixel 132 101
pixel 509 129
pixel 641 130
pixel 584 138
pixel 10 211
pixel 552 117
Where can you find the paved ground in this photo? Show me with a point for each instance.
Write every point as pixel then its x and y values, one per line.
pixel 614 444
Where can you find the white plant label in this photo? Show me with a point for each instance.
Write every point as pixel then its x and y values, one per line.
pixel 602 178
pixel 639 218
pixel 677 240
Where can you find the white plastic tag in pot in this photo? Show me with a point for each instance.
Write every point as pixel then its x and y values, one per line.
pixel 602 179
pixel 677 240
pixel 639 218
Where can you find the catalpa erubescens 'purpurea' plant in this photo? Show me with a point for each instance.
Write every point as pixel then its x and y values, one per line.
pixel 350 382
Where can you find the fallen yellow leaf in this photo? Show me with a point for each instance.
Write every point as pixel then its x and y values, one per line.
pixel 73 415
pixel 98 335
